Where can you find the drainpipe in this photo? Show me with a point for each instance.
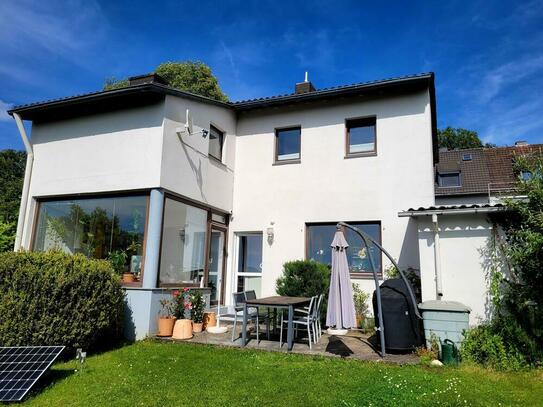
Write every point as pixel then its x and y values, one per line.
pixel 26 183
pixel 437 258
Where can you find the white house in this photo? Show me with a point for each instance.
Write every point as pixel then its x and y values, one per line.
pixel 201 192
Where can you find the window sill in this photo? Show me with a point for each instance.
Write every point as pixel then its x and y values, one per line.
pixel 131 285
pixel 216 160
pixel 365 276
pixel 358 155
pixel 284 162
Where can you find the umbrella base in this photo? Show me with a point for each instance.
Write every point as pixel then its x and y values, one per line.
pixel 217 329
pixel 337 332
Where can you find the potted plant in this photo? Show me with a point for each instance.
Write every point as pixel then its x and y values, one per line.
pixel 166 318
pixel 360 304
pixel 183 306
pixel 197 300
pixel 118 261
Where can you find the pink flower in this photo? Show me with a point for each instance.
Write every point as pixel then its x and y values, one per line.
pixel 175 293
pixel 185 289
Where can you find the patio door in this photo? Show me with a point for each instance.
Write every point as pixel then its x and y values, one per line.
pixel 216 262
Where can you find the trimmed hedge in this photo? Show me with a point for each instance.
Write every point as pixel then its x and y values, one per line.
pixel 53 298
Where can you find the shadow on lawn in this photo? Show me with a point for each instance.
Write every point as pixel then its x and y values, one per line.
pixel 50 378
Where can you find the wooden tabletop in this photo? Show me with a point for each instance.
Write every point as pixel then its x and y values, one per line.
pixel 279 300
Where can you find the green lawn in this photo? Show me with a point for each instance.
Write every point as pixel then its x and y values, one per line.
pixel 169 374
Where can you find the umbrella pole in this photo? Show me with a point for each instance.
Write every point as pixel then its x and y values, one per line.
pixel 377 291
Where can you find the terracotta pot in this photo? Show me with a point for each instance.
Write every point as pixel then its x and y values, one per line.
pixel 182 329
pixel 128 278
pixel 197 326
pixel 209 319
pixel 165 326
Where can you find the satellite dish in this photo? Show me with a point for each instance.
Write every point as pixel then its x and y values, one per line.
pixel 188 123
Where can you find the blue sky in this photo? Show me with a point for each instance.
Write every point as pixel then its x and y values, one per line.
pixel 487 55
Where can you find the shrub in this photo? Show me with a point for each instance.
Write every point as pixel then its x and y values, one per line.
pixel 484 346
pixel 198 305
pixel 305 278
pixel 53 298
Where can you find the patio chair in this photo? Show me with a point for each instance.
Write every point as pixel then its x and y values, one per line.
pixel 302 320
pixel 239 301
pixel 317 329
pixel 251 295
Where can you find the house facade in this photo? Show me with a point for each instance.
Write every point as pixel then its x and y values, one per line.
pixel 219 195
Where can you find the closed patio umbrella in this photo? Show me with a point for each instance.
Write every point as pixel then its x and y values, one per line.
pixel 341 312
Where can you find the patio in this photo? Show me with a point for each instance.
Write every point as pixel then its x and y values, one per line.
pixel 355 345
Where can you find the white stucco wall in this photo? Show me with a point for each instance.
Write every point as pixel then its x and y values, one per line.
pixel 462 200
pixel 186 167
pixel 113 151
pixel 463 240
pixel 327 187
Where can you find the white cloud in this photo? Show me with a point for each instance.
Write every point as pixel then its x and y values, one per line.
pixel 4 107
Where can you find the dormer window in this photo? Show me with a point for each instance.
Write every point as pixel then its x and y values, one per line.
pixel 467 157
pixel 449 179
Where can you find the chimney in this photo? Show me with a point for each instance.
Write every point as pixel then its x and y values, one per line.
pixel 304 87
pixel 521 143
pixel 147 78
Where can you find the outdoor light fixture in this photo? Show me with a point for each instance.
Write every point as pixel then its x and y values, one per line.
pixel 270 233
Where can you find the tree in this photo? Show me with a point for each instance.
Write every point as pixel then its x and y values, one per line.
pixel 12 168
pixel 517 294
pixel 458 138
pixel 194 77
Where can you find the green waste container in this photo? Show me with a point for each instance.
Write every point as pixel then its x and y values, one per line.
pixel 446 319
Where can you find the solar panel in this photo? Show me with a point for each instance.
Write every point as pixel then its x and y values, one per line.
pixel 21 367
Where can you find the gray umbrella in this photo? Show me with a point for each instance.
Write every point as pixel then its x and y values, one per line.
pixel 341 313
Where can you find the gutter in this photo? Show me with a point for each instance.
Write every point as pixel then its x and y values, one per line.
pixel 449 211
pixel 26 183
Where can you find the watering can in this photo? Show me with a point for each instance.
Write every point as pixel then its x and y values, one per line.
pixel 449 352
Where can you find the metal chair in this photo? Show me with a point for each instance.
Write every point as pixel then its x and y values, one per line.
pixel 304 320
pixel 239 301
pixel 318 309
pixel 251 295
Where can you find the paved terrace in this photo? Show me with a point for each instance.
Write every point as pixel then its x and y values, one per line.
pixel 356 345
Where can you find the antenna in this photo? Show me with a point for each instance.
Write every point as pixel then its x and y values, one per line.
pixel 305 80
pixel 188 123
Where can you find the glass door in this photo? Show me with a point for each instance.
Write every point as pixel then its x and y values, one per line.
pixel 216 263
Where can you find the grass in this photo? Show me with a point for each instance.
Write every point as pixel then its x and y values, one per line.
pixel 176 374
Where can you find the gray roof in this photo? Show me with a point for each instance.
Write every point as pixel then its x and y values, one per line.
pixel 452 209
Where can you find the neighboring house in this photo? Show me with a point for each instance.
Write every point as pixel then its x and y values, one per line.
pixel 456 236
pixel 200 192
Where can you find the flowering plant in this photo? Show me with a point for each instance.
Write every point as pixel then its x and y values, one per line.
pixel 198 304
pixel 183 304
pixel 167 308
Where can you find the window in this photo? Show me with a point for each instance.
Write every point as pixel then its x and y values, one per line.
pixel 216 140
pixel 320 236
pixel 287 144
pixel 249 270
pixel 94 227
pixel 360 136
pixel 182 258
pixel 467 157
pixel 449 179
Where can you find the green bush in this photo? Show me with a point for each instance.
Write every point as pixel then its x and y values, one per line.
pixel 53 298
pixel 484 346
pixel 305 278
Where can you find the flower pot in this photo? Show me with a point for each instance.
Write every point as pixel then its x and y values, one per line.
pixel 165 326
pixel 197 326
pixel 128 278
pixel 182 329
pixel 209 319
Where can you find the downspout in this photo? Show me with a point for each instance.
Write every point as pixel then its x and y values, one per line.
pixel 437 257
pixel 26 183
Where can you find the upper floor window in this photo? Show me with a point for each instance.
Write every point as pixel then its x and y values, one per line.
pixel 449 179
pixel 287 144
pixel 361 136
pixel 216 140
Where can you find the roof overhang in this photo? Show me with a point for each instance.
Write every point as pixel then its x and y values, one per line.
pixel 452 210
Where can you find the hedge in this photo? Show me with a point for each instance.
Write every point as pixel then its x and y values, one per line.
pixel 53 298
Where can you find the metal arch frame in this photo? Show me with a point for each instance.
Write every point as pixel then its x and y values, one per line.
pixel 365 237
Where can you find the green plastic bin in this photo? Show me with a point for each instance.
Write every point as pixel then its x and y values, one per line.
pixel 446 319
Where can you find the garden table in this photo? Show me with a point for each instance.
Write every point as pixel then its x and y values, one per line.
pixel 276 302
